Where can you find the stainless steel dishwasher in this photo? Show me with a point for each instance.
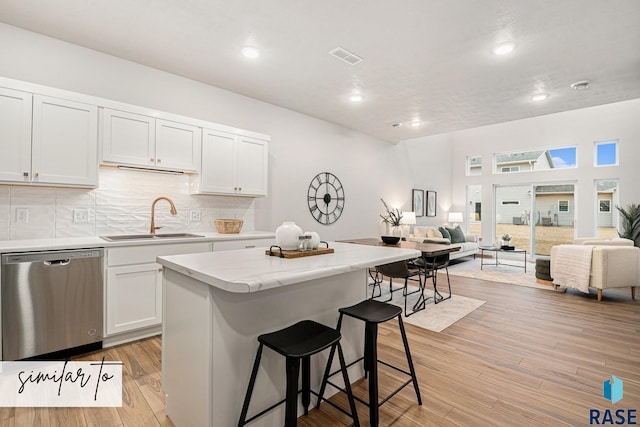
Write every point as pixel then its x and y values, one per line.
pixel 51 302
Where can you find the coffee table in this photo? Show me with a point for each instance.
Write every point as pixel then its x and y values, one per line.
pixel 498 250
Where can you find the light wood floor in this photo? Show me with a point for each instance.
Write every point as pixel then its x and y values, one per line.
pixel 528 357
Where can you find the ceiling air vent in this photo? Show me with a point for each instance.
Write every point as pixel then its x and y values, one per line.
pixel 346 56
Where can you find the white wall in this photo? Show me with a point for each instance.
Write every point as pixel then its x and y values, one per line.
pixel 300 147
pixel 580 128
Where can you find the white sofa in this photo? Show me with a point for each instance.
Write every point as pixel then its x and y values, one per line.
pixel 612 266
pixel 425 234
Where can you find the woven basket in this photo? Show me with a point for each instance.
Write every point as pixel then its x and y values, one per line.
pixel 228 226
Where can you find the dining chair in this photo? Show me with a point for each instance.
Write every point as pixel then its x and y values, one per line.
pixel 407 271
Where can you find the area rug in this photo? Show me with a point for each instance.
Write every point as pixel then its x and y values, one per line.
pixel 502 273
pixel 436 317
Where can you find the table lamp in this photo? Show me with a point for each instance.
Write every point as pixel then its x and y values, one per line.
pixel 408 219
pixel 455 218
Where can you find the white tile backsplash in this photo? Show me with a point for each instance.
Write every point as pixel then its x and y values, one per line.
pixel 120 205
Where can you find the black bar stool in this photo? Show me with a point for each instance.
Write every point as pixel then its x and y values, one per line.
pixel 373 312
pixel 297 343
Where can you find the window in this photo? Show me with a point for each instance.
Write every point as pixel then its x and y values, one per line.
pixel 563 206
pixel 535 160
pixel 474 165
pixel 510 169
pixel 606 153
pixel 510 202
pixel 606 197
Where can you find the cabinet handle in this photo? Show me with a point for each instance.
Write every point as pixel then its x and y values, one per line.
pixel 25 174
pixel 152 159
pixel 37 174
pixel 159 160
pixel 160 269
pixel 239 188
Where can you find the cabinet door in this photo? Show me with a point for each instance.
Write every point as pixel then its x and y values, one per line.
pixel 218 172
pixel 177 146
pixel 134 297
pixel 128 138
pixel 252 166
pixel 65 142
pixel 15 135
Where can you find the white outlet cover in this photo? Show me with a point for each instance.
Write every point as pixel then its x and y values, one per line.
pixel 195 216
pixel 22 215
pixel 80 216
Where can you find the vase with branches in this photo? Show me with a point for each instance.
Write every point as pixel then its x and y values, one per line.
pixel 393 218
pixel 630 222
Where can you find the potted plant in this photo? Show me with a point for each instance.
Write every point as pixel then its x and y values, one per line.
pixel 393 219
pixel 506 239
pixel 630 223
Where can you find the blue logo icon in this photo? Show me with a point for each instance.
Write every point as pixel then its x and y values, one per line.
pixel 612 389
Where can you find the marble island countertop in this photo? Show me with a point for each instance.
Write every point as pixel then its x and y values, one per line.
pixel 250 270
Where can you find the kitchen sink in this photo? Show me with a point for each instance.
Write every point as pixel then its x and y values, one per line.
pixel 124 237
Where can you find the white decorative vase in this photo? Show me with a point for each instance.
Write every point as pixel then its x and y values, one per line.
pixel 287 235
pixel 396 231
pixel 315 239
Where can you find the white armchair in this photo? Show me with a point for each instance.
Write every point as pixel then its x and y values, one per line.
pixel 611 267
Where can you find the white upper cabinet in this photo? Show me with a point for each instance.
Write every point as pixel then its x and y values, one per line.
pixel 65 142
pixel 128 138
pixel 46 140
pixel 137 140
pixel 15 135
pixel 177 145
pixel 252 166
pixel 233 164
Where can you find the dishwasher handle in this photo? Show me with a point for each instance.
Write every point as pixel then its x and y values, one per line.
pixel 57 262
pixel 54 258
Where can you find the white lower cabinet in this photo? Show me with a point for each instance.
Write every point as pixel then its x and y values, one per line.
pixel 133 299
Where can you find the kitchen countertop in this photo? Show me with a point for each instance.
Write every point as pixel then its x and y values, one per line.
pixel 227 270
pixel 97 242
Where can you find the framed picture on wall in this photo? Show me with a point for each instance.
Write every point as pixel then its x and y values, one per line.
pixel 432 201
pixel 417 202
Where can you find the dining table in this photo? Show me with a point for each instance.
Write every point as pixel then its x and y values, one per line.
pixel 434 257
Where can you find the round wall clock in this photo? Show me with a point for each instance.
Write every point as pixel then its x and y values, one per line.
pixel 326 198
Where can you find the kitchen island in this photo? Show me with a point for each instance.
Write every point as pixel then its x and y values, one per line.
pixel 215 306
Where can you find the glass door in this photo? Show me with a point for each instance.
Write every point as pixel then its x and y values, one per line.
pixel 512 214
pixel 553 220
pixel 536 216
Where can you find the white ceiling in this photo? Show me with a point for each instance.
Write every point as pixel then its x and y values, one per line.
pixel 426 59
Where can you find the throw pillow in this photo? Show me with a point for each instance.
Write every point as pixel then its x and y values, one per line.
pixel 444 233
pixel 433 232
pixel 457 235
pixel 419 231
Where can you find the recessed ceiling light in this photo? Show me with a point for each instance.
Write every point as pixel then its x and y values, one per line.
pixel 539 97
pixel 356 97
pixel 416 123
pixel 250 52
pixel 581 85
pixel 504 48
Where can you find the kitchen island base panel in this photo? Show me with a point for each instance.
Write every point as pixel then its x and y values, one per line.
pixel 210 339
